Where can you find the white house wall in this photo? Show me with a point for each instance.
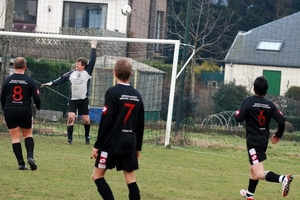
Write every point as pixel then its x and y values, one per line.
pixel 50 22
pixel 245 75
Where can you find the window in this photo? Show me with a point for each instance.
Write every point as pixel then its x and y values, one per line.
pixel 84 15
pixel 25 11
pixel 159 27
pixel 269 45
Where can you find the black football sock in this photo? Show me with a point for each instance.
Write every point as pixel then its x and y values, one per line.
pixel 104 189
pixel 134 192
pixel 252 185
pixel 87 130
pixel 17 148
pixel 70 132
pixel 272 177
pixel 29 144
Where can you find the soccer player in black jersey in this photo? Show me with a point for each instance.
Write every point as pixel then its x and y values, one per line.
pixel 17 92
pixel 257 111
pixel 80 82
pixel 120 133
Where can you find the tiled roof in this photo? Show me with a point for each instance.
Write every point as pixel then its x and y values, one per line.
pixel 287 30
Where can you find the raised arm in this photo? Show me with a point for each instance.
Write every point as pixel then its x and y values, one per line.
pixel 90 67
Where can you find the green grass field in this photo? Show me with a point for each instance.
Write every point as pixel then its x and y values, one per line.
pixel 215 168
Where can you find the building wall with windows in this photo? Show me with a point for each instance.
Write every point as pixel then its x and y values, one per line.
pixel 79 14
pixel 148 22
pixel 48 16
pixel 148 18
pixel 151 16
pixel 93 18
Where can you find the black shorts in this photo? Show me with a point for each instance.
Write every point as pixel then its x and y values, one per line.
pixel 127 162
pixel 256 154
pixel 81 105
pixel 18 116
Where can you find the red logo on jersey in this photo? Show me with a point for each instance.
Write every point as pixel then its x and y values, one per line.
pixel 104 111
pixel 261 118
pixel 280 112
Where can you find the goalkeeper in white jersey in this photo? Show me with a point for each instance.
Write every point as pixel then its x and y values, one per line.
pixel 80 81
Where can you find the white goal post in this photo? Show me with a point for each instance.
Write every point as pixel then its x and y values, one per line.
pixel 176 44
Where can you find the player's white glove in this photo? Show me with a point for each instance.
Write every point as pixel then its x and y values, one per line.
pixel 46 84
pixel 93 44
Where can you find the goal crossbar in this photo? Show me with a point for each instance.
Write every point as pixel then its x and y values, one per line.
pixel 176 44
pixel 76 37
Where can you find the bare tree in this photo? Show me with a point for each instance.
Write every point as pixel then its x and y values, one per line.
pixel 209 30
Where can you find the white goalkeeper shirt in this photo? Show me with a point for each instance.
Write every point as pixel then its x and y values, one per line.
pixel 79 81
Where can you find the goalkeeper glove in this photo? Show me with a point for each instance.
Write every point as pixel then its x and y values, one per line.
pixel 93 44
pixel 46 84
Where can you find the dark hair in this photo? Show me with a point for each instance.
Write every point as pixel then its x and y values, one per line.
pixel 83 61
pixel 261 86
pixel 123 69
pixel 20 63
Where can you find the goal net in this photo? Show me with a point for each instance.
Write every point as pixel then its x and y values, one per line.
pixel 51 55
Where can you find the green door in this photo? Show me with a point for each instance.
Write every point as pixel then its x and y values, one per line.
pixel 274 80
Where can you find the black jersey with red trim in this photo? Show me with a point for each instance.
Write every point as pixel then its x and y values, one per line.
pixel 257 112
pixel 18 90
pixel 80 80
pixel 122 122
